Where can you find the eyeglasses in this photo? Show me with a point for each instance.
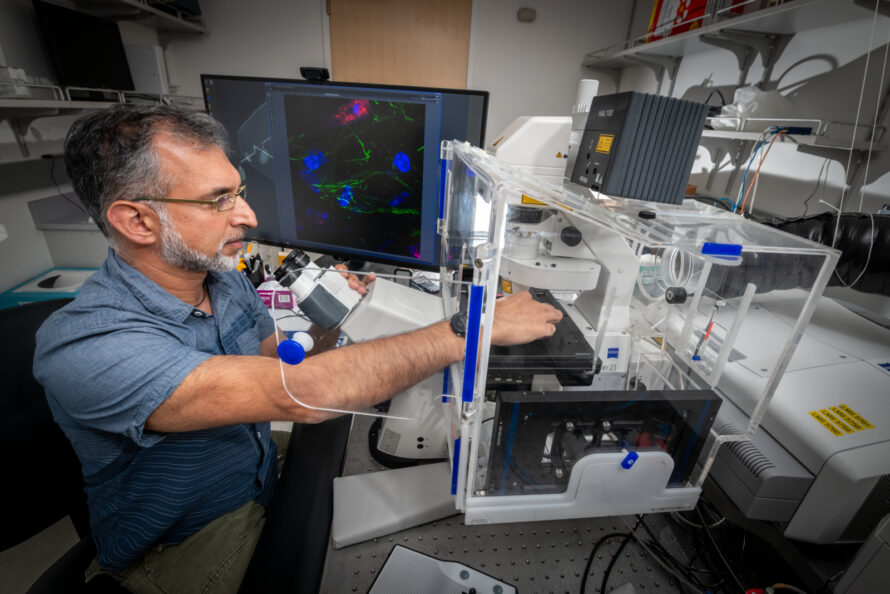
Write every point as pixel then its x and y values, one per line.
pixel 222 203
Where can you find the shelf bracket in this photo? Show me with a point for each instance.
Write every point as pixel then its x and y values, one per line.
pixel 614 74
pixel 741 43
pixel 20 126
pixel 659 65
pixel 717 147
pixel 734 148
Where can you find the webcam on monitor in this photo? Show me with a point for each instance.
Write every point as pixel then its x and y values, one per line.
pixel 314 74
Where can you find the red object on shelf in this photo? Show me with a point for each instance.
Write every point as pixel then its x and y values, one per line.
pixel 672 17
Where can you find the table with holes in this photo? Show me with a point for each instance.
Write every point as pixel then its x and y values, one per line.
pixel 532 556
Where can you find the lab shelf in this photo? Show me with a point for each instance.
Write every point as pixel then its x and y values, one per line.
pixel 36 108
pixel 142 11
pixel 790 17
pixel 799 139
pixel 21 112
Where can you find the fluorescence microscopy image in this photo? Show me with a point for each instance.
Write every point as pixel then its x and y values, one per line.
pixel 356 170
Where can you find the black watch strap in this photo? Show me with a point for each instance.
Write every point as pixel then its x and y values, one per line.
pixel 459 323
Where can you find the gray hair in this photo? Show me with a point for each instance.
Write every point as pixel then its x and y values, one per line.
pixel 109 154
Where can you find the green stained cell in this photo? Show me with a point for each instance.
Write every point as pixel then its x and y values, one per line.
pixel 420 149
pixel 366 151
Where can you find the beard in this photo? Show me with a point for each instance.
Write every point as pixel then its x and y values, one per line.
pixel 175 251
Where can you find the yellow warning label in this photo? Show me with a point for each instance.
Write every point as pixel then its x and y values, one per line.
pixel 837 432
pixel 559 155
pixel 529 200
pixel 859 419
pixel 847 418
pixel 841 419
pixel 506 286
pixel 828 415
pixel 604 144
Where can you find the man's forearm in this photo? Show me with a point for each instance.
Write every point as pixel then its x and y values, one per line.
pixel 242 389
pixel 360 375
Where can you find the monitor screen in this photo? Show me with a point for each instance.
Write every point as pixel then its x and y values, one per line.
pixel 344 169
pixel 85 50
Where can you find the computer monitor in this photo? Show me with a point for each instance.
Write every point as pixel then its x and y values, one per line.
pixel 85 50
pixel 346 169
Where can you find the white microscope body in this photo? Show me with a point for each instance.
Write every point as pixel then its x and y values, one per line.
pixel 411 429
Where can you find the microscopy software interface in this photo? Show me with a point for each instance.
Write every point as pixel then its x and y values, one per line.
pixel 350 170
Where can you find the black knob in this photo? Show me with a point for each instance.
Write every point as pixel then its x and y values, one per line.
pixel 675 295
pixel 570 236
pixel 291 268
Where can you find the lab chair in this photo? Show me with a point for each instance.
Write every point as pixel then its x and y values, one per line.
pixel 41 473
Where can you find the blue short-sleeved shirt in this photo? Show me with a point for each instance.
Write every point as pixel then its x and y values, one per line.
pixel 107 361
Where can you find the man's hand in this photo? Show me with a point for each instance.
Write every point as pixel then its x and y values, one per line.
pixel 519 319
pixel 357 284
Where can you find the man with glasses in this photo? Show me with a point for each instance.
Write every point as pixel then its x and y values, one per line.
pixel 163 373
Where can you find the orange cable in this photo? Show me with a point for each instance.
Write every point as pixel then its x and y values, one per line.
pixel 756 173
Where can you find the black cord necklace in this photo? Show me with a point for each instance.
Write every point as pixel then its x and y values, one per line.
pixel 203 294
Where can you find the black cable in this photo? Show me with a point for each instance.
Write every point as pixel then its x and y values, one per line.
pixel 596 547
pixel 52 176
pixel 615 558
pixel 711 93
pixel 703 552
pixel 292 315
pixel 717 550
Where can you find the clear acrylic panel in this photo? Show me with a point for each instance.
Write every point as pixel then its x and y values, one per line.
pixel 668 310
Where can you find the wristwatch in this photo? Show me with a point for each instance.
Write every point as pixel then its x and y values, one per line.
pixel 459 323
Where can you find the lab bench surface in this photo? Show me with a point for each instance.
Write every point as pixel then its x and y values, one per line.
pixel 532 556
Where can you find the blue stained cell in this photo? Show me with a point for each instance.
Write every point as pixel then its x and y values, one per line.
pixel 345 196
pixel 314 160
pixel 395 201
pixel 324 216
pixel 401 162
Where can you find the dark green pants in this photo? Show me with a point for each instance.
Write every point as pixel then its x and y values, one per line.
pixel 213 560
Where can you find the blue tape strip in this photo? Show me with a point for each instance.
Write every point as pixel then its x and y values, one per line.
pixel 454 465
pixel 474 320
pixel 443 165
pixel 731 250
pixel 446 383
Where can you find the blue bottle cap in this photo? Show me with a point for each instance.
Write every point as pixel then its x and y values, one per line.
pixel 291 352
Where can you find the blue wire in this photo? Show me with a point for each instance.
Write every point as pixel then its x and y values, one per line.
pixel 774 130
pixel 747 169
pixel 727 199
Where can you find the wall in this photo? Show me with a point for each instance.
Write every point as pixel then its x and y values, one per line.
pixel 528 68
pixel 266 38
pixel 534 68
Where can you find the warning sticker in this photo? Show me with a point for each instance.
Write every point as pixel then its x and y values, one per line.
pixel 830 416
pixel 861 420
pixel 604 144
pixel 529 200
pixel 841 420
pixel 826 424
pixel 847 418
